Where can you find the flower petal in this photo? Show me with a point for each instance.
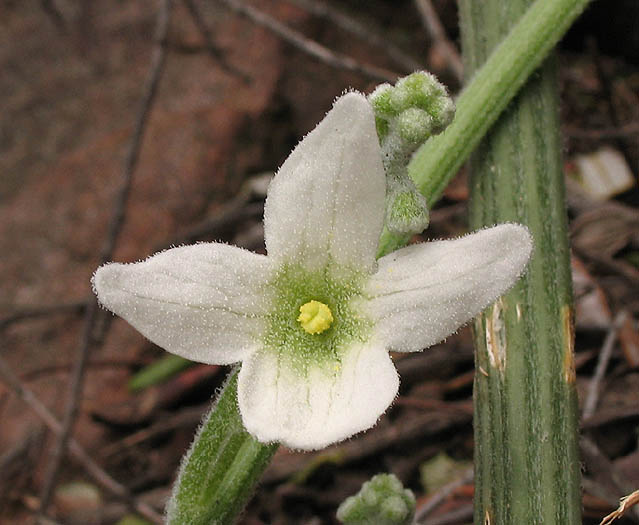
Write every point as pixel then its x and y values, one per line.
pixel 326 203
pixel 424 292
pixel 327 404
pixel 203 302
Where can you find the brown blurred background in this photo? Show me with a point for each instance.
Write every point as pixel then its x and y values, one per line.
pixel 233 97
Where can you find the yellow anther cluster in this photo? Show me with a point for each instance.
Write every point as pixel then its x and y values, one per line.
pixel 315 317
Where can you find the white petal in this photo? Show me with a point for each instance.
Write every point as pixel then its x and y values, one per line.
pixel 278 403
pixel 326 203
pixel 203 302
pixel 424 292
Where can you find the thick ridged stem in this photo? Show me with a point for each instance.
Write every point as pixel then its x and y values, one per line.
pixel 526 422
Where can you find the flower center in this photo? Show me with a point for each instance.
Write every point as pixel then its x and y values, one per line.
pixel 315 317
pixel 294 340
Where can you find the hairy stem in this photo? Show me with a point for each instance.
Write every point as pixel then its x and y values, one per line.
pixel 526 424
pixel 221 469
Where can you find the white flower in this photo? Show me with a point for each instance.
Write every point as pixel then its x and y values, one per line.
pixel 312 322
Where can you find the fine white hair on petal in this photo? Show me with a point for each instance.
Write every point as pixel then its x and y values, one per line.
pixel 424 292
pixel 326 203
pixel 328 404
pixel 203 302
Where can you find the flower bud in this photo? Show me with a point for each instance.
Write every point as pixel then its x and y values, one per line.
pixel 406 210
pixel 407 115
pixel 382 500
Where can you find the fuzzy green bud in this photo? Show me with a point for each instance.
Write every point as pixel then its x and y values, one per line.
pixel 419 90
pixel 407 210
pixel 407 115
pixel 380 99
pixel 414 125
pixel 381 501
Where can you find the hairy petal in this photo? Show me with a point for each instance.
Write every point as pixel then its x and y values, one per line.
pixel 326 203
pixel 424 292
pixel 204 302
pixel 310 410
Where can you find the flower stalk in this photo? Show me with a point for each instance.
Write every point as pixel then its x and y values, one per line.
pixel 219 472
pixel 526 421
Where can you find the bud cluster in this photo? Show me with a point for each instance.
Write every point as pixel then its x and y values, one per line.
pixel 406 115
pixel 382 500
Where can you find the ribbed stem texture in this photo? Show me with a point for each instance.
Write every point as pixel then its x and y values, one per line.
pixel 220 470
pixel 526 461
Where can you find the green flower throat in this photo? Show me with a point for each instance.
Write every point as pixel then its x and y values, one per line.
pixel 314 317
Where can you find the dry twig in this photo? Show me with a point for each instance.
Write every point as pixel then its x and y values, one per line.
pixel 75 449
pixel 307 45
pixel 604 357
pixel 52 11
pixel 158 61
pixel 350 25
pixel 371 443
pixel 597 463
pixel 38 312
pixel 44 371
pixel 441 43
pixel 212 49
pixel 437 498
pixel 184 418
pixel 465 407
pixel 611 415
pixel 625 503
pixel 614 132
pixel 460 514
pixel 624 143
pixel 214 226
pixel 609 264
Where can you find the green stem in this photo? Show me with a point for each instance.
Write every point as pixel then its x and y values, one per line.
pixel 487 94
pixel 526 421
pixel 221 469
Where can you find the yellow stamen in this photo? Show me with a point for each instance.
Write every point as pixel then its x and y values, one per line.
pixel 315 317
